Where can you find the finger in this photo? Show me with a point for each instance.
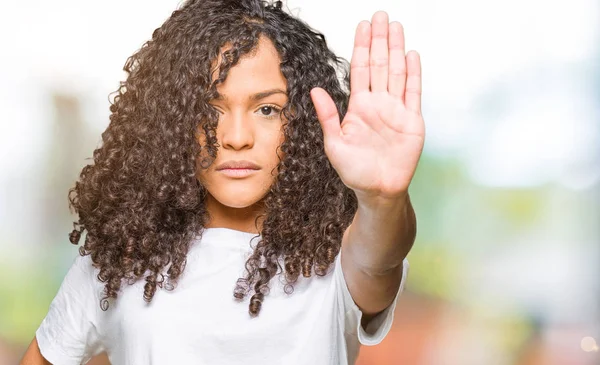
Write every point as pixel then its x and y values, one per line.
pixel 379 52
pixel 327 113
pixel 397 68
pixel 359 65
pixel 412 99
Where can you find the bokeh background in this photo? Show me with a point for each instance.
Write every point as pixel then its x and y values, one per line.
pixel 506 265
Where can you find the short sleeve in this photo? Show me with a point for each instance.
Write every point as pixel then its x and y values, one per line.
pixel 69 333
pixel 379 326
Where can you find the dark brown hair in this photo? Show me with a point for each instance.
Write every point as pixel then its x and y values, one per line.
pixel 140 201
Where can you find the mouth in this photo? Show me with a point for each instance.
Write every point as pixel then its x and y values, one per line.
pixel 238 173
pixel 238 164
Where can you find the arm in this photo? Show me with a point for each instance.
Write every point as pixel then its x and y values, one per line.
pixel 375 151
pixel 33 356
pixel 373 248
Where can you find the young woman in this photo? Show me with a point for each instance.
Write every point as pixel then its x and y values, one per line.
pixel 249 203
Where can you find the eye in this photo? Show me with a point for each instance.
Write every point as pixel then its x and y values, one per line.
pixel 269 111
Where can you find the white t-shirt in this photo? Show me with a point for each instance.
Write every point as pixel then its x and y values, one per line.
pixel 200 322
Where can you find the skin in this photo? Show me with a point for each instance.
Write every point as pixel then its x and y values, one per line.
pixel 383 121
pixel 33 356
pixel 249 129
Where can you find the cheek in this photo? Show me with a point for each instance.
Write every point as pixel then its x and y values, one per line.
pixel 276 142
pixel 280 152
pixel 200 174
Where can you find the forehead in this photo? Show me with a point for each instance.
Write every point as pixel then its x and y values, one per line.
pixel 255 71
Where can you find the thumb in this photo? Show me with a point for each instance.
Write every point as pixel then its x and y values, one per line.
pixel 326 113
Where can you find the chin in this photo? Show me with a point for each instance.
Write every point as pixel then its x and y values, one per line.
pixel 237 203
pixel 238 199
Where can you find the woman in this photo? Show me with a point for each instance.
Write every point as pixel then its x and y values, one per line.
pixel 235 151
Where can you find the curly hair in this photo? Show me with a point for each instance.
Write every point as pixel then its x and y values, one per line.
pixel 140 200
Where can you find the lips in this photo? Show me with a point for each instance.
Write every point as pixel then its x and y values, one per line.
pixel 238 165
pixel 238 173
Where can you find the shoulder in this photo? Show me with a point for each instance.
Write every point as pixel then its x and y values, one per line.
pixel 82 278
pixel 83 263
pixel 70 331
pixel 84 266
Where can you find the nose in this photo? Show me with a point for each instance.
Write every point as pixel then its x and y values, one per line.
pixel 236 131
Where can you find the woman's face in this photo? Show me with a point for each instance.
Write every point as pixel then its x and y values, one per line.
pixel 249 129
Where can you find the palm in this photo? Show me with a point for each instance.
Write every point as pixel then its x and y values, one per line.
pixel 377 146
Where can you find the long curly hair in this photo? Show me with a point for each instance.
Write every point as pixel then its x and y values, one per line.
pixel 140 200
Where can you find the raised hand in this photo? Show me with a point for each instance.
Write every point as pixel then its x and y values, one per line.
pixel 376 148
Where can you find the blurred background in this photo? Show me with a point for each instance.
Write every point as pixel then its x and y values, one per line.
pixel 506 265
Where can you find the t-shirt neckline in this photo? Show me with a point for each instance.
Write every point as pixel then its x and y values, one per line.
pixel 228 237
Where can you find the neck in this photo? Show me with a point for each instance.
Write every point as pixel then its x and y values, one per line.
pixel 240 219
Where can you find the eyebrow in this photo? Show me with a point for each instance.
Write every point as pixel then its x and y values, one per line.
pixel 257 96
